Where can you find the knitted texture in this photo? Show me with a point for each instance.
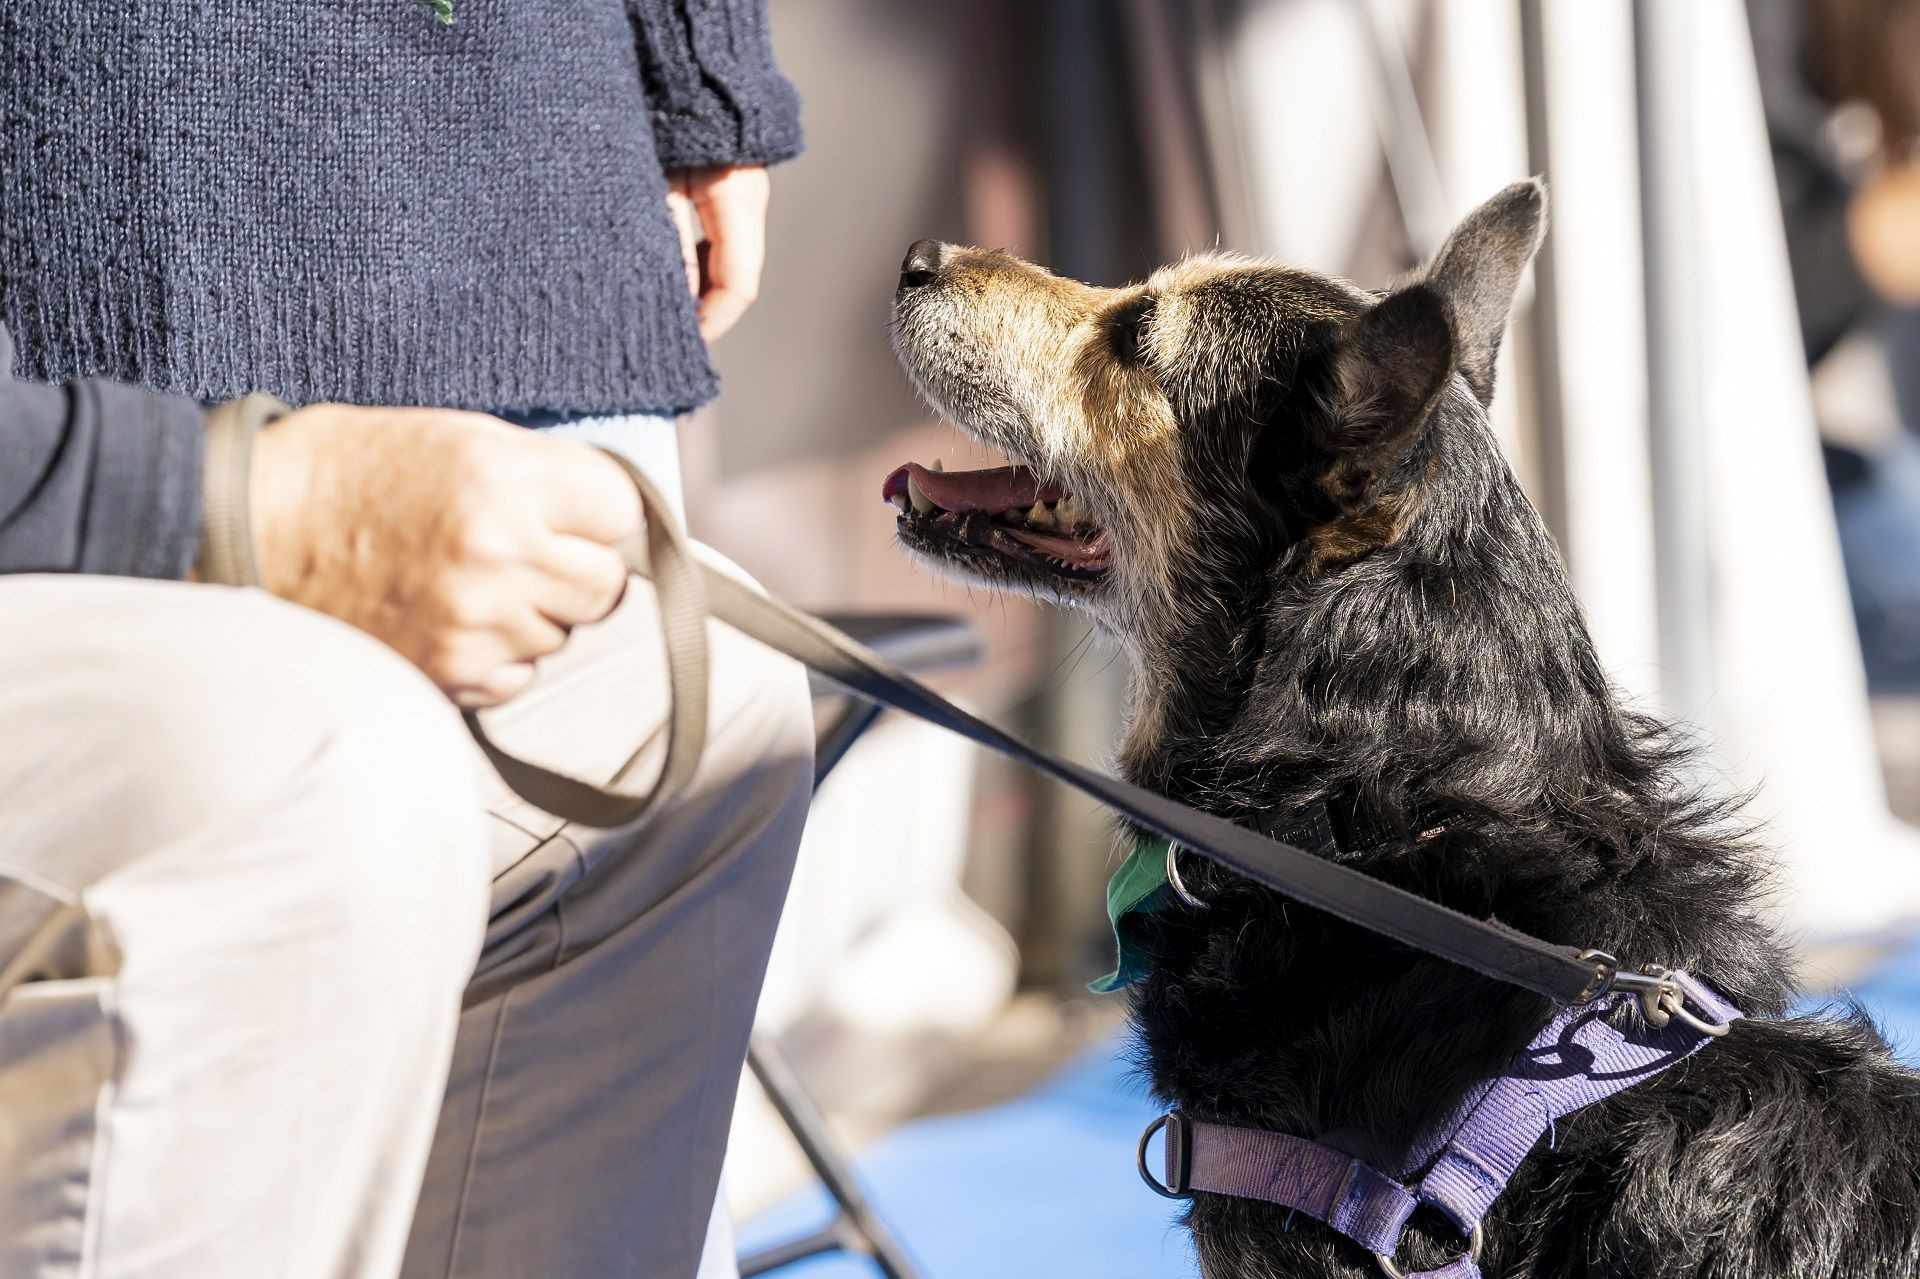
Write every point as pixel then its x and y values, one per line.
pixel 348 200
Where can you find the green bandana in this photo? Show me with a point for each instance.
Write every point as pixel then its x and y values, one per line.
pixel 1138 887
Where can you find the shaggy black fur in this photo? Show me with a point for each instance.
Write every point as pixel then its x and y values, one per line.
pixel 1431 662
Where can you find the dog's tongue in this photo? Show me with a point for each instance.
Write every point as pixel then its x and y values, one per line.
pixel 1001 488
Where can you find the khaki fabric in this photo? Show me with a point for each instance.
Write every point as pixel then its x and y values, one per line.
pixel 275 948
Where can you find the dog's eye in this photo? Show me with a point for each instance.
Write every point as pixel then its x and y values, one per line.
pixel 1130 329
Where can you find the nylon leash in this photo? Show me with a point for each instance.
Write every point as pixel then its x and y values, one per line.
pixel 689 591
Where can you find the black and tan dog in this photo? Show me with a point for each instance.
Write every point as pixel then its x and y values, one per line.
pixel 1280 495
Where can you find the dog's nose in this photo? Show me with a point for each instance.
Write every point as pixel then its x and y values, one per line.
pixel 922 263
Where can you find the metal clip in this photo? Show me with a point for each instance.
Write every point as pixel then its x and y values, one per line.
pixel 1605 969
pixel 1655 989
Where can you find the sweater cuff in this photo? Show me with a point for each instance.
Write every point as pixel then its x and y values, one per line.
pixel 711 84
pixel 143 502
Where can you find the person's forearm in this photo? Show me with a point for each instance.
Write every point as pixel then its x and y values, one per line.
pixel 97 478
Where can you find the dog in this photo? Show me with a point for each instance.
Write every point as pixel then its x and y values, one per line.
pixel 1279 494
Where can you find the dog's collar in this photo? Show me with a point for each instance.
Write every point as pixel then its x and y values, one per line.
pixel 1586 1053
pixel 1141 886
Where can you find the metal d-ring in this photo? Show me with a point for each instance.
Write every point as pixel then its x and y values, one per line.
pixel 1176 1141
pixel 1392 1271
pixel 1180 889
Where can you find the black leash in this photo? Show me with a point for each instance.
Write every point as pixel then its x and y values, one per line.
pixel 663 555
pixel 1486 946
pixel 1560 973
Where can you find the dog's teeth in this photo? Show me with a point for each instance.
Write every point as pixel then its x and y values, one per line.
pixel 938 465
pixel 921 502
pixel 1069 511
pixel 1039 514
pixel 900 502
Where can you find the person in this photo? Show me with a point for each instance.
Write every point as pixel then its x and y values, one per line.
pixel 289 983
pixel 1840 85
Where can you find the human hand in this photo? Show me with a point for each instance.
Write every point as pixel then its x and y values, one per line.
pixel 728 204
pixel 466 545
pixel 1883 223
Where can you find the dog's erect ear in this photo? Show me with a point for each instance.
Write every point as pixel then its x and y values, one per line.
pixel 1478 269
pixel 1389 367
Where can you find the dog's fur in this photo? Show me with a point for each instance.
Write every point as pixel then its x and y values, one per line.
pixel 1329 584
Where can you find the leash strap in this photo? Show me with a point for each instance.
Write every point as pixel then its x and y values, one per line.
pixel 1488 947
pixel 1485 946
pixel 226 529
pixel 660 553
pixel 1583 1055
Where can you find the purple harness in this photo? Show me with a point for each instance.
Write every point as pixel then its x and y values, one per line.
pixel 1578 1059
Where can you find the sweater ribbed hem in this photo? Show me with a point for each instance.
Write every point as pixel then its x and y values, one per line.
pixel 577 342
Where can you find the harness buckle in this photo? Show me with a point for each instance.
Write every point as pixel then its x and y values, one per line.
pixel 1179 1157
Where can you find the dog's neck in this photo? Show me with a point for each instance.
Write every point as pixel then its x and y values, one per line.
pixel 1454 656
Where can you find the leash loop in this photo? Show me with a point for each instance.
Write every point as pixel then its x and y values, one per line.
pixel 661 553
pixel 690 591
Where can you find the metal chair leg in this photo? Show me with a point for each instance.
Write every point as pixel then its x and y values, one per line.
pixel 856 1228
pixel 918 643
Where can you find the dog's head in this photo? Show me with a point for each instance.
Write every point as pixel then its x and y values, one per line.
pixel 1227 417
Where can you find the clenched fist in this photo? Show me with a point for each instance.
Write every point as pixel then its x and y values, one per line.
pixel 467 545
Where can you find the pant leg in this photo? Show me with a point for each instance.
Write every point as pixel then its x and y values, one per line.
pixel 601 1043
pixel 651 441
pixel 243 878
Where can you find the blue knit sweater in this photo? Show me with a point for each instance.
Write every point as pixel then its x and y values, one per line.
pixel 348 200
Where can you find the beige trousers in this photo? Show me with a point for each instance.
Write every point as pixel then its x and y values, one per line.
pixel 279 960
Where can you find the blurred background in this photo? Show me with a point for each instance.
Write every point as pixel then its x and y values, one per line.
pixel 1711 392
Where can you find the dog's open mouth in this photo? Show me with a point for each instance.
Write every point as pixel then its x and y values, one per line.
pixel 1004 509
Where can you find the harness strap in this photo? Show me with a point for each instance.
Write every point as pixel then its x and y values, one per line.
pixel 1583 1055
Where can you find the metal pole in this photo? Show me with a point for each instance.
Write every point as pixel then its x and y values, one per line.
pixel 1550 427
pixel 1403 133
pixel 1677 450
pixel 858 1227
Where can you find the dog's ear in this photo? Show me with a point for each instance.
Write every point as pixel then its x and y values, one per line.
pixel 1388 369
pixel 1478 270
